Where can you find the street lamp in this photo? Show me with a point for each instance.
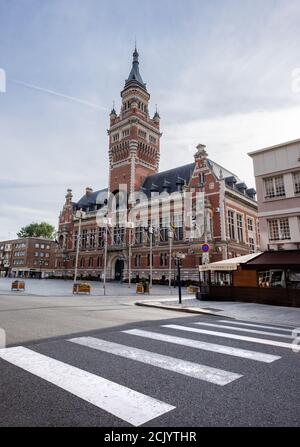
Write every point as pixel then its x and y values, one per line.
pixel 205 255
pixel 130 226
pixel 150 229
pixel 178 260
pixel 41 264
pixel 107 222
pixel 80 215
pixel 171 236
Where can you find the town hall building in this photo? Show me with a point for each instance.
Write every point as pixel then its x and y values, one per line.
pixel 147 248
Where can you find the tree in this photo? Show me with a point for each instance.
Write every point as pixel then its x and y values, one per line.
pixel 35 229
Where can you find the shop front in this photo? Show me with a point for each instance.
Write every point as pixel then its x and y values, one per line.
pixel 265 278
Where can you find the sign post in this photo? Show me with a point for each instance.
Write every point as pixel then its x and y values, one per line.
pixel 205 253
pixel 179 281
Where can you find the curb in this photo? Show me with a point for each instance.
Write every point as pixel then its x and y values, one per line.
pixel 190 310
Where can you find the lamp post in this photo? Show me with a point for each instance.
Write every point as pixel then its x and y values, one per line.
pixel 171 235
pixel 80 215
pixel 41 264
pixel 107 222
pixel 205 255
pixel 130 226
pixel 179 257
pixel 151 249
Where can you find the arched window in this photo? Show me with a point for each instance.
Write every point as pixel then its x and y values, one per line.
pixel 61 241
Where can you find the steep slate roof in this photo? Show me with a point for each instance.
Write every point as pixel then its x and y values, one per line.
pixel 134 75
pixel 93 199
pixel 167 179
pixel 172 176
pixel 219 171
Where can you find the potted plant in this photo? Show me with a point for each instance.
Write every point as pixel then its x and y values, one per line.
pixel 145 284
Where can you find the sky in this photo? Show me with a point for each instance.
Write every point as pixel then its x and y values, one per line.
pixel 222 73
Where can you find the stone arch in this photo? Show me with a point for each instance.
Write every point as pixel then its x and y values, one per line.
pixel 113 263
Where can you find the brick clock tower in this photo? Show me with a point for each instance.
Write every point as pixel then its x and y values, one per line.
pixel 134 137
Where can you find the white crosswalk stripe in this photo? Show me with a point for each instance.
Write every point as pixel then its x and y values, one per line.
pixel 131 406
pixel 241 329
pixel 220 349
pixel 195 370
pixel 233 336
pixel 242 323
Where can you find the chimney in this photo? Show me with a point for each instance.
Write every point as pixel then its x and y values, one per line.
pixel 201 151
pixel 69 196
pixel 88 191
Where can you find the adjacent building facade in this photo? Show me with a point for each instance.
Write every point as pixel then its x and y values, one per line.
pixel 229 206
pixel 277 174
pixel 27 258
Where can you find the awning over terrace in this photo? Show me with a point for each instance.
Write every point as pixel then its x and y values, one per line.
pixel 228 264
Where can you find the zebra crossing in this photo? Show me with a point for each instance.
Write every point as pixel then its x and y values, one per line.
pixel 233 336
pixel 137 408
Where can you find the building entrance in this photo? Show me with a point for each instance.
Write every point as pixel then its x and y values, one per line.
pixel 119 270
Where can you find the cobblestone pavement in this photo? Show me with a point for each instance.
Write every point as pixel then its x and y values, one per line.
pixel 52 287
pixel 289 316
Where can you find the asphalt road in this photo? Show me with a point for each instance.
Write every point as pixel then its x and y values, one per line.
pixel 30 317
pixel 142 373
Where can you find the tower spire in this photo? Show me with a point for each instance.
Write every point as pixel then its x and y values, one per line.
pixel 134 76
pixel 135 56
pixel 113 112
pixel 129 130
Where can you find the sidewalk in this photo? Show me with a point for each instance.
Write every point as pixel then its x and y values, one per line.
pixel 261 313
pixel 64 288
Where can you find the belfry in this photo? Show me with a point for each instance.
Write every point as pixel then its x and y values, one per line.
pixel 134 137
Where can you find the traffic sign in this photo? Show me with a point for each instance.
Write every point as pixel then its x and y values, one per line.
pixel 205 248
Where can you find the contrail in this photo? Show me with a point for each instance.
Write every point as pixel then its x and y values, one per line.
pixel 61 95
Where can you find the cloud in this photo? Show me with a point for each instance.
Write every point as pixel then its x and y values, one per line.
pixel 230 138
pixel 60 95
